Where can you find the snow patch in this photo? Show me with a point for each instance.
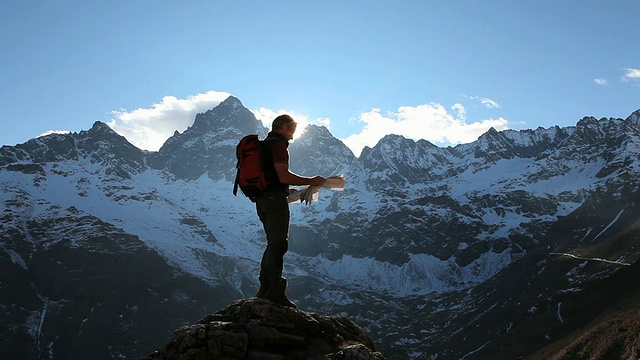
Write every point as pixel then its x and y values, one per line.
pixel 422 274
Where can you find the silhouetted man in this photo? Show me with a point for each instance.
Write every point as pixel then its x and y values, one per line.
pixel 273 208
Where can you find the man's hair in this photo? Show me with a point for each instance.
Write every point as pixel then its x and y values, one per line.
pixel 281 121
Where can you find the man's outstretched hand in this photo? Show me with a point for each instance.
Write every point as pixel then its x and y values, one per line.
pixel 317 181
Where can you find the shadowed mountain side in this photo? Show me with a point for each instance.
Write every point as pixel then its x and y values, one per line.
pixel 607 321
pixel 258 329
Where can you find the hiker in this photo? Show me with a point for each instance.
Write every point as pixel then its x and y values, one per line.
pixel 273 208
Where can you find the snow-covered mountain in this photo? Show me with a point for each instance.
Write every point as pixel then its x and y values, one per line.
pixel 101 240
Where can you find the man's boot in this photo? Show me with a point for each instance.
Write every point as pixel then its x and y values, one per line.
pixel 275 293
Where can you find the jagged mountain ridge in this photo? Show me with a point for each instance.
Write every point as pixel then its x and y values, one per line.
pixel 414 219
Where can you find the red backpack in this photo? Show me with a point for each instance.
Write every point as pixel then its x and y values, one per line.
pixel 250 177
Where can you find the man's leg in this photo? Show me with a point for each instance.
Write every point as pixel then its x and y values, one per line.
pixel 273 210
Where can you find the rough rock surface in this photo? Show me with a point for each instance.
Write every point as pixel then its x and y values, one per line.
pixel 258 329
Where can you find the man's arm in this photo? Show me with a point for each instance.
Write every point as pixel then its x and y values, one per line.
pixel 287 177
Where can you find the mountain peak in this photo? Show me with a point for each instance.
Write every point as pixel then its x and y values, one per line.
pixel 231 101
pixel 490 135
pixel 255 328
pixel 99 126
pixel 586 121
pixel 317 151
pixel 228 115
pixel 634 117
pixel 102 132
pixel 317 130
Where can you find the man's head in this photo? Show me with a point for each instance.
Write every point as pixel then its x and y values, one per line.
pixel 285 125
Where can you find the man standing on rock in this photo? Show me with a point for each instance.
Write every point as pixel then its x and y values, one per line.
pixel 273 208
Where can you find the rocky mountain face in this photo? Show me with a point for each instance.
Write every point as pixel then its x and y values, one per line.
pixel 501 248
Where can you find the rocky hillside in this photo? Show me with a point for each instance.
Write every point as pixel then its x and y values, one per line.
pixel 479 250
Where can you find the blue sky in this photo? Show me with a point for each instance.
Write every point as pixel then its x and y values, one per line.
pixel 444 71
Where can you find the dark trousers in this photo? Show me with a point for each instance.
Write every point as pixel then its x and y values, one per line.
pixel 273 211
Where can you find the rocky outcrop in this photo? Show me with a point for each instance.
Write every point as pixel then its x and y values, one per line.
pixel 258 329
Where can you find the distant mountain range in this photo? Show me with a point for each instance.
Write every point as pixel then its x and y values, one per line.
pixel 516 244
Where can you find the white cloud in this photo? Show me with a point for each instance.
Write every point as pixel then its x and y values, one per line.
pixel 631 74
pixel 601 81
pixel 491 104
pixel 431 122
pixel 149 128
pixel 462 112
pixel 326 122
